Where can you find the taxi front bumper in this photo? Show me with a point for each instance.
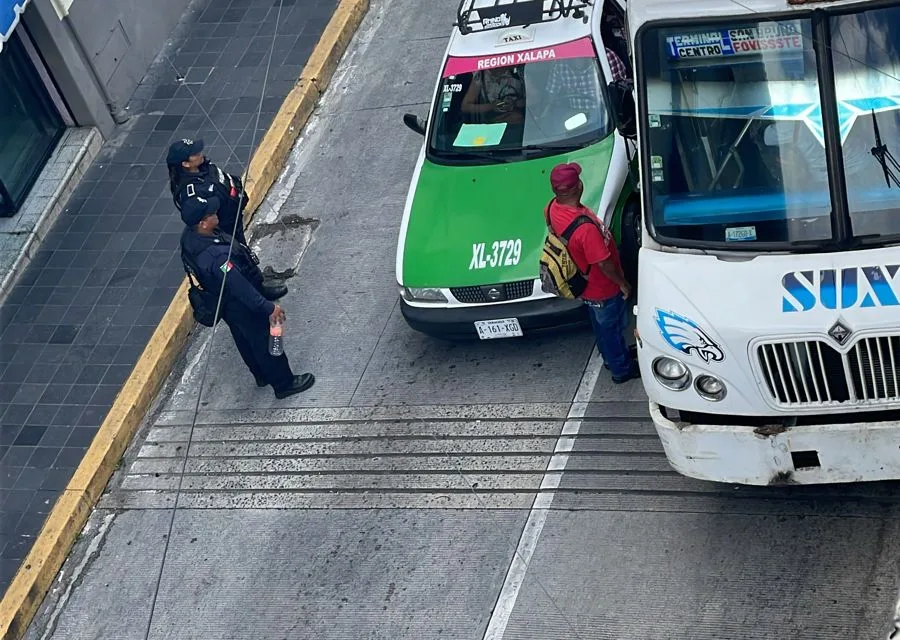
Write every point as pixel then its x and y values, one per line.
pixel 534 316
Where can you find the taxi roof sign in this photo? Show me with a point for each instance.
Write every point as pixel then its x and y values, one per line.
pixel 502 14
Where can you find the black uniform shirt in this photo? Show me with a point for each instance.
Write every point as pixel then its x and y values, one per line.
pixel 209 255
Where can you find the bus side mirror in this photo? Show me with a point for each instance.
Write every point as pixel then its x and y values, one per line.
pixel 622 107
pixel 412 121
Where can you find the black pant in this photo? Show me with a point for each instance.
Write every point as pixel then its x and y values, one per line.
pixel 251 336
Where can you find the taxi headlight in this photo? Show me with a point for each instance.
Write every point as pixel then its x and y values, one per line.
pixel 710 388
pixel 671 373
pixel 424 294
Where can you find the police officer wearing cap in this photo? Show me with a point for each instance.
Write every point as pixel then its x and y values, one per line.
pixel 245 309
pixel 191 174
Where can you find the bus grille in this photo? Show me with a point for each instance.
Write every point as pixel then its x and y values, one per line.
pixel 813 373
pixel 481 294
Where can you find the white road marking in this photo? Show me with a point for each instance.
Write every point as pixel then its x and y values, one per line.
pixel 515 576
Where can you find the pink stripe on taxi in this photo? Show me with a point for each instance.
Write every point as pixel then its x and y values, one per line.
pixel 581 48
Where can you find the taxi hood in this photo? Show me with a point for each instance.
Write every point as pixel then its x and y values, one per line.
pixel 484 224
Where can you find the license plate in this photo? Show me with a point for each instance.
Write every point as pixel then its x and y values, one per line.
pixel 505 328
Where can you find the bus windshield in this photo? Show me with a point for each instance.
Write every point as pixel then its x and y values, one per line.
pixel 736 141
pixel 492 108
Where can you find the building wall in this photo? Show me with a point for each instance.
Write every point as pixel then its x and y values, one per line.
pixel 100 47
pixel 123 37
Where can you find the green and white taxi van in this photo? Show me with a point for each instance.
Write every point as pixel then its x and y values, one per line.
pixel 524 86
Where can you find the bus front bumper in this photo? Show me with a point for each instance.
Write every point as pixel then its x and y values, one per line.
pixel 809 454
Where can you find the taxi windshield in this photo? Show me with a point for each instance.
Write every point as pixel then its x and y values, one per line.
pixel 493 108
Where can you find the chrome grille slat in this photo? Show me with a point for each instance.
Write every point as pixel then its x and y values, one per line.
pixel 868 343
pixel 809 358
pixel 893 369
pixel 824 379
pixel 789 365
pixel 803 375
pixel 764 350
pixel 813 372
pixel 884 381
pixel 862 374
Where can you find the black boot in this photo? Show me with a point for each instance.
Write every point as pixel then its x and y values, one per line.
pixel 260 382
pixel 273 289
pixel 300 384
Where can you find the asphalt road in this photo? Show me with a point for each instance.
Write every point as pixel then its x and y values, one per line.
pixel 395 500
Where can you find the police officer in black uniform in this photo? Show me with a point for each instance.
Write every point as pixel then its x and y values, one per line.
pixel 192 175
pixel 246 311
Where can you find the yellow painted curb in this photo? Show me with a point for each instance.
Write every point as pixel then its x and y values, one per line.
pixel 72 509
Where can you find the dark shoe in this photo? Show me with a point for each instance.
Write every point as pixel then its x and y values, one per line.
pixel 634 375
pixel 300 384
pixel 273 290
pixel 260 382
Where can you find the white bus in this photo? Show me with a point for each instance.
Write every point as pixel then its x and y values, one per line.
pixel 768 308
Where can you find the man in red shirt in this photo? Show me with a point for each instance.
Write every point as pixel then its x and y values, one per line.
pixel 594 251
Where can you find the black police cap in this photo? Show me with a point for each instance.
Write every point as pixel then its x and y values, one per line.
pixel 181 150
pixel 195 209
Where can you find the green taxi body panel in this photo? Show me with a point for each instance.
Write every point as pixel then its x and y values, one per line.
pixel 484 224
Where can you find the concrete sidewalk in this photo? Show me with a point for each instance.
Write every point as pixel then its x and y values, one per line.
pixel 73 327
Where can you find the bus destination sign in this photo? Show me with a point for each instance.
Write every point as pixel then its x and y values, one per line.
pixel 783 36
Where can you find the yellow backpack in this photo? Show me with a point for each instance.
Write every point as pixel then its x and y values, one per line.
pixel 560 275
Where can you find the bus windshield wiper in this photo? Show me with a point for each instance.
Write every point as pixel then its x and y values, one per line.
pixel 885 158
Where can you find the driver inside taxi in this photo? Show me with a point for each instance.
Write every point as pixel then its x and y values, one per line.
pixel 497 95
pixel 573 83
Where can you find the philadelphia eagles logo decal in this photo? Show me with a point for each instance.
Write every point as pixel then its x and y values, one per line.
pixel 685 336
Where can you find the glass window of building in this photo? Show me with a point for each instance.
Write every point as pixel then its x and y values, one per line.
pixel 30 126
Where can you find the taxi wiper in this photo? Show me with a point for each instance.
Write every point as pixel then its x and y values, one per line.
pixel 552 147
pixel 463 155
pixel 885 158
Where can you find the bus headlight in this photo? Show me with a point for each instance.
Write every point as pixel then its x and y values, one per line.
pixel 671 373
pixel 710 388
pixel 425 294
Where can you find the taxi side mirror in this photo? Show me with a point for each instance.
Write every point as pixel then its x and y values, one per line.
pixel 413 122
pixel 623 108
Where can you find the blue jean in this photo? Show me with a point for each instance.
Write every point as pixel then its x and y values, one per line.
pixel 610 319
